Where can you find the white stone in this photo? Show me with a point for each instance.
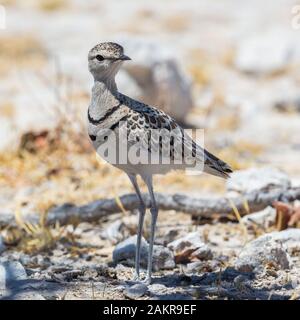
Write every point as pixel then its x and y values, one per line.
pixel 261 252
pixel 264 53
pixel 192 240
pixel 113 231
pixel 249 180
pixel 124 252
pixel 190 247
pixel 264 218
pixel 136 291
pixel 2 245
pixel 289 238
pixel 11 271
pixel 28 296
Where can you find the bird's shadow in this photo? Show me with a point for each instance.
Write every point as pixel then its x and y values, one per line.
pixel 16 289
pixel 211 284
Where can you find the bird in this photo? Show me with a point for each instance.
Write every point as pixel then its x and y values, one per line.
pixel 129 130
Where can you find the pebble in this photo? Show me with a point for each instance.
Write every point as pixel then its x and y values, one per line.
pixel 136 291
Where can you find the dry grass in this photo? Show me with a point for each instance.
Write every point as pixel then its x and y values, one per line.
pixel 52 5
pixel 228 122
pixel 7 109
pixel 228 57
pixel 8 2
pixel 145 13
pixel 241 155
pixel 20 51
pixel 200 73
pixel 175 23
pixel 44 5
pixel 59 172
pixel 199 66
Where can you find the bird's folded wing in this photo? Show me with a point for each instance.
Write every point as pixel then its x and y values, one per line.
pixel 157 132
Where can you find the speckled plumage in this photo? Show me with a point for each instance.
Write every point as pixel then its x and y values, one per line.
pixel 107 49
pixel 140 120
pixel 111 111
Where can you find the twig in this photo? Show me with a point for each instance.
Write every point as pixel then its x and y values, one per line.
pixel 197 207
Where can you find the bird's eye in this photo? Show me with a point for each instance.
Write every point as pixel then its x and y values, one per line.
pixel 99 57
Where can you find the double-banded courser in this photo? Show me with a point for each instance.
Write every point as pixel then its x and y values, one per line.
pixel 145 151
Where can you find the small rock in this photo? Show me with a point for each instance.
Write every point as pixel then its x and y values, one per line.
pixel 246 181
pixel 169 236
pixel 25 260
pixel 262 252
pixel 190 247
pixel 203 253
pixel 288 104
pixel 113 231
pixel 28 296
pixel 289 239
pixel 265 218
pixel 173 296
pixel 163 258
pixel 124 253
pixel 2 245
pixel 184 280
pixel 11 271
pixel 240 281
pixel 72 274
pixel 157 288
pixel 194 267
pixel 136 291
pixel 271 272
pixel 90 274
pixel 188 240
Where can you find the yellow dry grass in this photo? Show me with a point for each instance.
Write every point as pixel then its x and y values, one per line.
pixel 144 13
pixel 199 67
pixel 175 23
pixel 7 109
pixel 51 5
pixel 8 2
pixel 20 51
pixel 242 154
pixel 200 73
pixel 228 122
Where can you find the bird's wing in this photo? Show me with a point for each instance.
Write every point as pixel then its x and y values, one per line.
pixel 159 133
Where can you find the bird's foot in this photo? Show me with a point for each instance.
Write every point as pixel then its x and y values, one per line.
pixel 147 280
pixel 136 277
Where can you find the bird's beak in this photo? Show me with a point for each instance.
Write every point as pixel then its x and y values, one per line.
pixel 124 58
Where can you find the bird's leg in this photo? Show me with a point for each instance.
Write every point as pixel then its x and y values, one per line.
pixel 154 214
pixel 142 210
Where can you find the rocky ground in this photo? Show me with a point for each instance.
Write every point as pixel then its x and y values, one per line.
pixel 229 260
pixel 221 268
pixel 225 66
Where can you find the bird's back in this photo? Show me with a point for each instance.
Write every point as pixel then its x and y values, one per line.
pixel 160 143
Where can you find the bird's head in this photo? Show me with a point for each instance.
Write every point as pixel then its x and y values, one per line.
pixel 105 60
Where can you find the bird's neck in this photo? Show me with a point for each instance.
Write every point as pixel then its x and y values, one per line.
pixel 104 96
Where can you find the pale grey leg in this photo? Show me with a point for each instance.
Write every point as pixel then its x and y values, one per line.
pixel 142 210
pixel 154 214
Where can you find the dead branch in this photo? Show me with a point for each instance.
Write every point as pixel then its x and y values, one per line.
pixel 198 207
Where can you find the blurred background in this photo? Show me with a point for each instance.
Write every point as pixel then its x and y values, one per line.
pixel 230 67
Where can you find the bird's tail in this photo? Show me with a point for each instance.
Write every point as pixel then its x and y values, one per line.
pixel 215 166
